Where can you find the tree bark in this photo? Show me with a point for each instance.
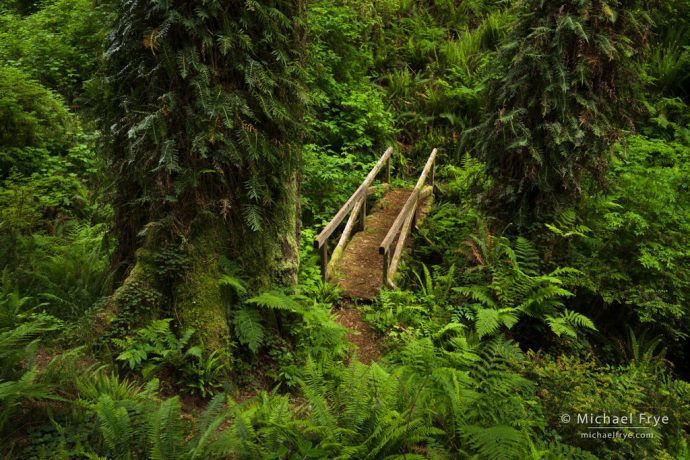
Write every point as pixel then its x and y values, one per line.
pixel 203 132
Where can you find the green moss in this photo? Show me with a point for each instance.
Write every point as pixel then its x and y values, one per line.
pixel 137 299
pixel 198 302
pixel 199 305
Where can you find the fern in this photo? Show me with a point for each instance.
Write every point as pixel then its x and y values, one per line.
pixel 248 328
pixel 165 431
pixel 277 300
pixel 487 321
pixel 566 225
pixel 209 423
pixel 568 322
pixel 115 426
pixel 516 287
pixel 235 283
pixel 499 442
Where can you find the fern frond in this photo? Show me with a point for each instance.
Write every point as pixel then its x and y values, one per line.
pixel 237 284
pixel 248 328
pixel 277 300
pixel 487 321
pixel 478 293
pixel 497 442
pixel 115 426
pixel 568 322
pixel 165 433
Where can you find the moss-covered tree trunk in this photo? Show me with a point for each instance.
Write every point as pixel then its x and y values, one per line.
pixel 201 116
pixel 568 86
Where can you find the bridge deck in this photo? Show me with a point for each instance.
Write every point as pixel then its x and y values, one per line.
pixel 359 272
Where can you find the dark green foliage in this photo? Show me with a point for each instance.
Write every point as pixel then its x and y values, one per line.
pixel 571 386
pixel 668 66
pixel 517 287
pixel 200 112
pixel 636 256
pixel 567 89
pixel 156 350
pixel 20 330
pixel 202 108
pixel 290 327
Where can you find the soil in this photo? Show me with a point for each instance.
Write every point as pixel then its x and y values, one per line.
pixel 366 339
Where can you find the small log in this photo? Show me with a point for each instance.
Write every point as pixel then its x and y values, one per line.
pixel 350 203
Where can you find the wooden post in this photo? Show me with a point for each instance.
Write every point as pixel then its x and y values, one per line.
pixel 385 270
pixel 324 261
pixel 388 171
pixel 363 214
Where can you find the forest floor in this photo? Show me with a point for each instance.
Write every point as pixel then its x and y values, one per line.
pixel 366 340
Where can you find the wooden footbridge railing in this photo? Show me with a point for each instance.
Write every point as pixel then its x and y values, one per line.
pixel 357 203
pixel 356 208
pixel 404 223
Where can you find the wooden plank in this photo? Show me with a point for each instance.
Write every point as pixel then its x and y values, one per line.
pixel 362 215
pixel 388 171
pixel 427 168
pixel 385 270
pixel 350 203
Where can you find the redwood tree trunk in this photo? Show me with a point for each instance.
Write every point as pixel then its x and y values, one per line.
pixel 202 116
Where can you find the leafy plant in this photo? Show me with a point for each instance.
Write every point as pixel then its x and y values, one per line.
pixel 515 288
pixel 155 348
pixel 20 332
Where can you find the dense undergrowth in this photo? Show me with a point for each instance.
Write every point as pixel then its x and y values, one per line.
pixel 500 328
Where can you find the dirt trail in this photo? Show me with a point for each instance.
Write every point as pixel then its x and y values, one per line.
pixel 365 339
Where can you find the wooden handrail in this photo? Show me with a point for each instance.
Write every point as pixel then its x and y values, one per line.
pixel 403 224
pixel 357 202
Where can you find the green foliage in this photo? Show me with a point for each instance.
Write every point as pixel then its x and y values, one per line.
pixel 635 259
pixel 668 66
pixel 68 271
pixel 216 121
pixel 514 286
pixel 572 386
pixel 290 327
pixel 155 349
pixel 567 81
pixel 58 45
pixel 349 112
pixel 20 331
pixel 329 180
pixel 204 102
pixel 31 116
